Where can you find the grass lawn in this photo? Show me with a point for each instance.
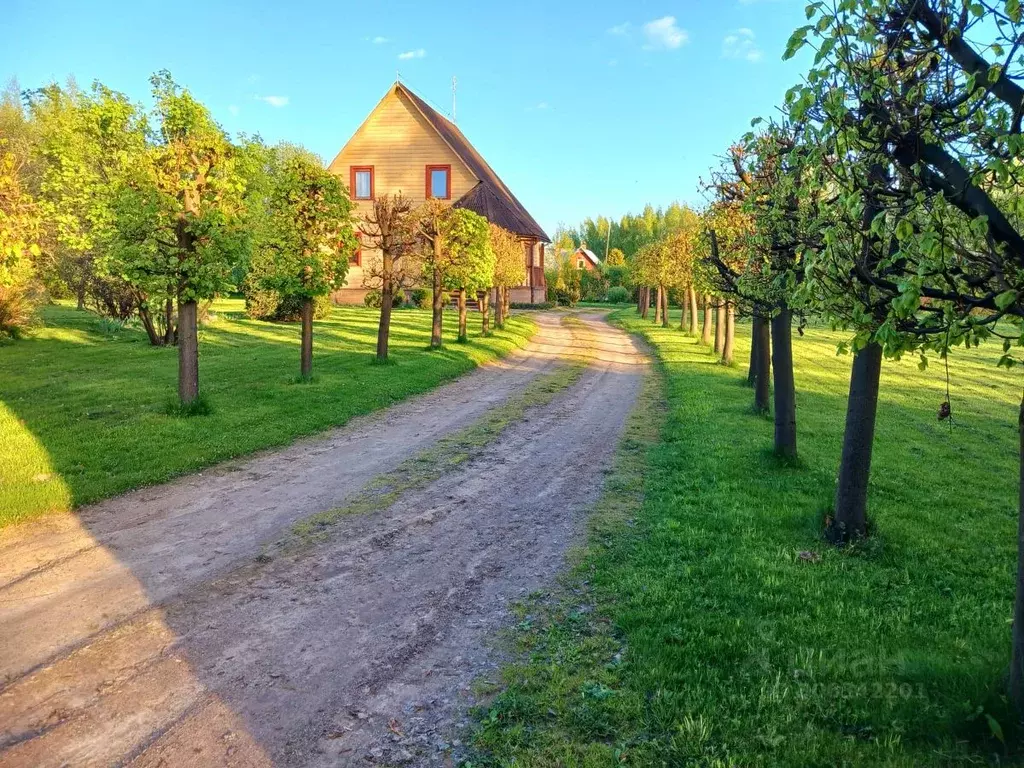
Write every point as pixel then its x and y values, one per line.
pixel 697 634
pixel 83 414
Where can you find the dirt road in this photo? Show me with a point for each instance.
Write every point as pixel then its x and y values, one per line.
pixel 154 629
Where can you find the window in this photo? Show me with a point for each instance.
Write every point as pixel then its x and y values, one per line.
pixel 580 264
pixel 439 181
pixel 356 259
pixel 362 182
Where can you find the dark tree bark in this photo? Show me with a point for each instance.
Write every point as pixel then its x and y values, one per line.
pixel 640 301
pixel 499 309
pixel 188 352
pixel 387 300
pixel 645 301
pixel 785 388
pixel 306 366
pixel 506 299
pixel 658 305
pixel 463 334
pixel 762 363
pixel 485 313
pixel 849 520
pixel 692 294
pixel 729 344
pixel 80 294
pixel 664 307
pixel 705 334
pixel 684 305
pixel 754 341
pixel 169 321
pixel 1017 631
pixel 147 322
pixel 719 326
pixel 438 312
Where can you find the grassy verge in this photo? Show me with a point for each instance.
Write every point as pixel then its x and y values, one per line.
pixel 84 407
pixel 716 628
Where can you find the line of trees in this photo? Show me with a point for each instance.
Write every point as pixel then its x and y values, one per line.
pixel 886 202
pixel 150 214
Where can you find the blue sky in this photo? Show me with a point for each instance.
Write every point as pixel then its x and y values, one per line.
pixel 583 108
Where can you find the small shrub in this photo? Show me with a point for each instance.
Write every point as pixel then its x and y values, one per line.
pixel 111 326
pixel 618 295
pixel 422 298
pixel 270 305
pixel 528 305
pixel 373 299
pixel 18 306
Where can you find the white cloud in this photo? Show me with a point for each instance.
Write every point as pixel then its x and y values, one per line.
pixel 622 29
pixel 540 105
pixel 419 53
pixel 741 44
pixel 664 34
pixel 380 40
pixel 274 101
pixel 233 109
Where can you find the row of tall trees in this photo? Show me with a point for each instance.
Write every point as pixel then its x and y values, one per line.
pixel 886 202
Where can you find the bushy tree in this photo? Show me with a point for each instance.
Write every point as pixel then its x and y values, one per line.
pixel 175 217
pixel 457 257
pixel 389 228
pixel 20 227
pixel 302 250
pixel 509 268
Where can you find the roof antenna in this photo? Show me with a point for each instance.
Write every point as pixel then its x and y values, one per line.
pixel 398 76
pixel 454 84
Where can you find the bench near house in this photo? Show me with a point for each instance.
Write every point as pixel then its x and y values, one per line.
pixel 406 146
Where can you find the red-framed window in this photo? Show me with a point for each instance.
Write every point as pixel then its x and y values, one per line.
pixel 361 182
pixel 439 182
pixel 356 259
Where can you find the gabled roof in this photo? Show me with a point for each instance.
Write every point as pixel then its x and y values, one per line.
pixel 490 197
pixel 590 255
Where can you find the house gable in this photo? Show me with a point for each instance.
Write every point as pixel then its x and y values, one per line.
pixel 399 143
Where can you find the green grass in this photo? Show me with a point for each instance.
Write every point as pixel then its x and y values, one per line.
pixel 694 633
pixel 87 411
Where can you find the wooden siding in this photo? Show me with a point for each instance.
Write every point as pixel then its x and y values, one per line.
pixel 399 143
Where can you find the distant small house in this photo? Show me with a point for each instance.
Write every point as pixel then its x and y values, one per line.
pixel 585 259
pixel 406 146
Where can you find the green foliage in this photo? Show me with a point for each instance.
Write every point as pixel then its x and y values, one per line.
pixel 464 255
pixel 20 293
pixel 618 295
pixel 421 298
pixel 302 248
pixel 176 216
pixel 373 299
pixel 509 264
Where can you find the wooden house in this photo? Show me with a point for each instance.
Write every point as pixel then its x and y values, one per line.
pixel 584 259
pixel 406 146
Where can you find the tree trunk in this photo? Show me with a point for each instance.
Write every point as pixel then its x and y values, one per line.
pixel 80 294
pixel 785 388
pixel 684 304
pixel 463 335
pixel 754 341
pixel 762 363
pixel 645 301
pixel 438 307
pixel 147 322
pixel 387 300
pixel 485 313
pixel 658 305
pixel 705 334
pixel 169 321
pixel 849 521
pixel 719 326
pixel 306 366
pixel 1017 630
pixel 664 307
pixel 506 298
pixel 640 301
pixel 692 295
pixel 188 352
pixel 730 333
pixel 499 309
